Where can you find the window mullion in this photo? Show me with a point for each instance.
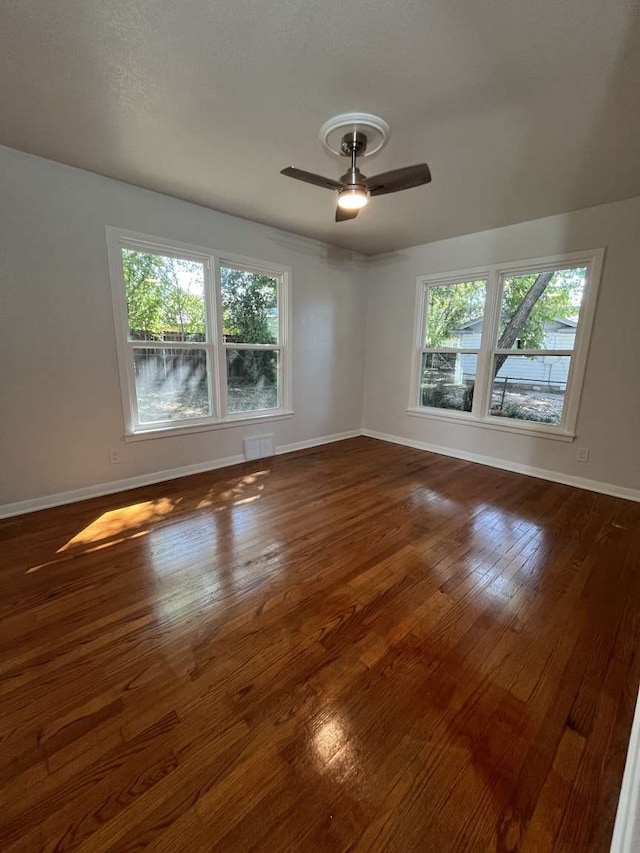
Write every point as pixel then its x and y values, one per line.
pixel 490 324
pixel 221 354
pixel 212 353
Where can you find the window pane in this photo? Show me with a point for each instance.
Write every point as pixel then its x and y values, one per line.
pixel 447 380
pixel 454 314
pixel 252 380
pixel 171 384
pixel 165 297
pixel 530 388
pixel 540 310
pixel 249 307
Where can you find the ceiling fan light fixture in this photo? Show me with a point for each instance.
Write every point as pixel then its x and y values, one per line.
pixel 353 198
pixel 353 187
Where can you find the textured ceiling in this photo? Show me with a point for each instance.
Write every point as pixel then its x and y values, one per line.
pixel 522 108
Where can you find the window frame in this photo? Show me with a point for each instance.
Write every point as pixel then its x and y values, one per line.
pixel 494 274
pixel 214 345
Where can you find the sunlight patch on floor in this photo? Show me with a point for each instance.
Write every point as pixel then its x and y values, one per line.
pixel 234 495
pixel 117 521
pixel 98 547
pixel 137 519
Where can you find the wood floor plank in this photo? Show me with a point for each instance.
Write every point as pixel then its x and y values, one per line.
pixel 357 647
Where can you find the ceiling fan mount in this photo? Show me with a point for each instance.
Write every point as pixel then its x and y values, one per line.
pixel 354 141
pixel 354 188
pixel 375 130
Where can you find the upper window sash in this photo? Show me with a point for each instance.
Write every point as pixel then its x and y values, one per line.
pixel 118 241
pixel 474 291
pixel 534 269
pixel 277 279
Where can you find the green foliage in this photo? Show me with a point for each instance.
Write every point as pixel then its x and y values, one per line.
pixel 560 299
pixel 144 297
pixel 163 295
pixel 451 306
pixel 167 295
pixel 249 316
pixel 185 312
pixel 249 306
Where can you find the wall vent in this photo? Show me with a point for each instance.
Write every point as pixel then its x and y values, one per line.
pixel 258 447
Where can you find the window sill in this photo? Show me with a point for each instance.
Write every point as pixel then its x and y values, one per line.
pixel 167 432
pixel 466 419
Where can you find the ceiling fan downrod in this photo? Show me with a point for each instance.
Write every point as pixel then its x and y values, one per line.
pixel 353 145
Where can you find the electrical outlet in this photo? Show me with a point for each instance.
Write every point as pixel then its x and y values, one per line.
pixel 114 457
pixel 583 454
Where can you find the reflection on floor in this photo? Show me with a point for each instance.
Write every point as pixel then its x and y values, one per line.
pixel 359 647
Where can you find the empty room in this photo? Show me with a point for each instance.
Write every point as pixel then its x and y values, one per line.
pixel 320 426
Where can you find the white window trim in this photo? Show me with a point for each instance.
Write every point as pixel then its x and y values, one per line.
pixel 212 259
pixel 493 274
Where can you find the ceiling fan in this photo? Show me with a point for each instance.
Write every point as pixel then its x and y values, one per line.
pixel 354 188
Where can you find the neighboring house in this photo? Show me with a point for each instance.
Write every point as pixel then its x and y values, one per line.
pixel 552 370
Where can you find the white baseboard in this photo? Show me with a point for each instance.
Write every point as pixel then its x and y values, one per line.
pixel 100 489
pixel 528 470
pixel 626 832
pixel 317 442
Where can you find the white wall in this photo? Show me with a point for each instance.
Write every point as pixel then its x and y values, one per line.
pixel 60 407
pixel 609 418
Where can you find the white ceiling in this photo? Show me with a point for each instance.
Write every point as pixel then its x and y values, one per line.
pixel 522 108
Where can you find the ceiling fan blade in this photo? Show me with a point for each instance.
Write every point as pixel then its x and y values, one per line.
pixel 310 178
pixel 399 179
pixel 342 215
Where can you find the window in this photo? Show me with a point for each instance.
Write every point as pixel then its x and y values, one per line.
pixel 202 338
pixel 450 354
pixel 505 346
pixel 251 331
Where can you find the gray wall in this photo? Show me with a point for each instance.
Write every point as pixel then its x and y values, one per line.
pixel 609 417
pixel 59 394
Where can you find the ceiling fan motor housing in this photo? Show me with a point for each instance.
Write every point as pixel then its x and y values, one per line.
pixel 353 141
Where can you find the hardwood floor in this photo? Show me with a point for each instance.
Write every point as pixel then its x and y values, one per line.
pixel 357 647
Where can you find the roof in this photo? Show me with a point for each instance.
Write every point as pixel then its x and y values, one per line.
pixel 477 321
